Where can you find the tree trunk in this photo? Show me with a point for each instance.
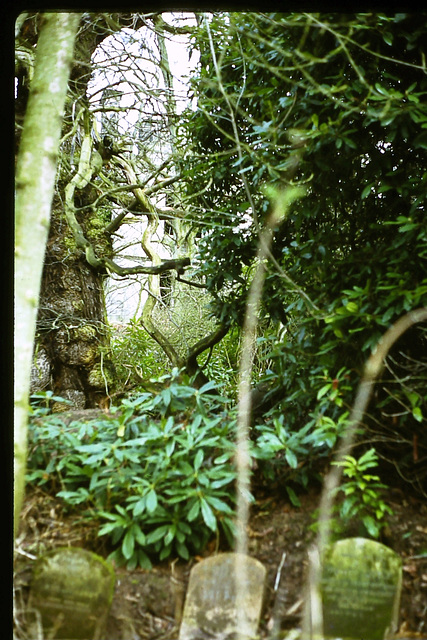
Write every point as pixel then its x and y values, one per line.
pixel 35 177
pixel 72 342
pixel 71 355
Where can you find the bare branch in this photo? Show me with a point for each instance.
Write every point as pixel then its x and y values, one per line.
pixel 373 368
pixel 205 343
pixel 164 26
pixel 283 202
pixel 167 265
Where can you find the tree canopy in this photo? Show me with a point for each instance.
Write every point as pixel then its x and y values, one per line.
pixel 335 103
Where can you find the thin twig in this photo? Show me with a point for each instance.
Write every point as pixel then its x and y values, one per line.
pixel 280 209
pixel 313 623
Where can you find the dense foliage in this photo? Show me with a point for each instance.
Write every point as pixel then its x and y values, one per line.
pixel 158 470
pixel 336 103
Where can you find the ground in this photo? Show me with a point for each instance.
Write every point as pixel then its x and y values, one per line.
pixel 147 604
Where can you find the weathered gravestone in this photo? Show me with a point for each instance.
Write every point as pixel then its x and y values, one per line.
pixel 72 589
pixel 213 608
pixel 360 590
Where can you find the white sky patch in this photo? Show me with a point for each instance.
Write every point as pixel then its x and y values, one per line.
pixel 180 60
pixel 128 62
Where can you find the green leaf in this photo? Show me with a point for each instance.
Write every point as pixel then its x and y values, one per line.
pixel 157 534
pixel 323 391
pixel 170 535
pixel 143 560
pixel 166 396
pixel 366 191
pixel 165 552
pixel 198 459
pixel 352 307
pixel 128 544
pixel 293 497
pixel 226 478
pixel 219 505
pixel 291 459
pixel 372 526
pixel 367 460
pixel 208 515
pixel 209 386
pixel 382 90
pixel 182 550
pixel 417 413
pixel 388 38
pixel 107 528
pixel 151 501
pixel 170 448
pixel 138 534
pixel 225 457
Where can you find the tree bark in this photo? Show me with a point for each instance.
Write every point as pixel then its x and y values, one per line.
pixel 72 343
pixel 71 355
pixel 35 178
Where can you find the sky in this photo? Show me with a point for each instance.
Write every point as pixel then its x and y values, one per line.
pixel 123 61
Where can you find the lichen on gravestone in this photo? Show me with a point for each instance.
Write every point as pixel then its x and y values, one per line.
pixel 360 590
pixel 72 589
pixel 211 604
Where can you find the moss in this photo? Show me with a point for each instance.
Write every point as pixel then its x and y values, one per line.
pixel 85 332
pixel 78 305
pixel 360 585
pixel 95 233
pixel 81 583
pixel 89 355
pixel 70 246
pixel 98 376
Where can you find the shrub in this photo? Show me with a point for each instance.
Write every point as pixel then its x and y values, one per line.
pixel 158 473
pixel 362 495
pixel 290 452
pixel 135 355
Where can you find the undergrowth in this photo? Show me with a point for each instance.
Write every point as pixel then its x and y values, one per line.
pixel 157 472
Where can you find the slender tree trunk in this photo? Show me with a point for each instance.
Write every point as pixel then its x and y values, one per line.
pixel 35 177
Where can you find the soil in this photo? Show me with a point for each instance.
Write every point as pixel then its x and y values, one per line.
pixel 147 605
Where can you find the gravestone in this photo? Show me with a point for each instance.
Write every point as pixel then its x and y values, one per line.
pixel 213 608
pixel 72 589
pixel 360 590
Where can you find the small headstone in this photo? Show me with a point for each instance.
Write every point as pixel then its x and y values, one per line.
pixel 72 589
pixel 213 608
pixel 360 590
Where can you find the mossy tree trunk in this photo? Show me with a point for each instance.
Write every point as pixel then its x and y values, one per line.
pixel 71 354
pixel 72 341
pixel 35 178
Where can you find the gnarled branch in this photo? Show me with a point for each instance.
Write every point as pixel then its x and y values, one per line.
pixel 205 343
pixel 167 265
